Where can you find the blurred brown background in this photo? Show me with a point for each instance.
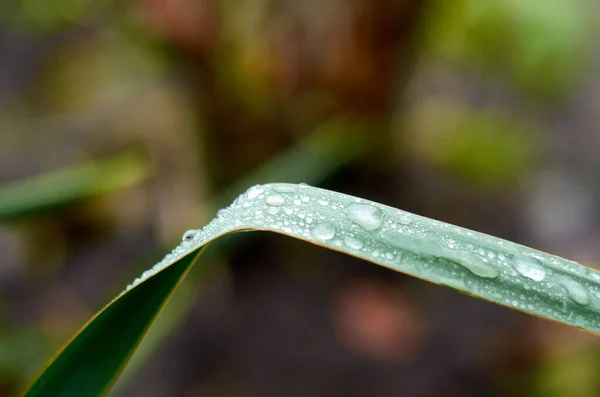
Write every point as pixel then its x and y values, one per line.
pixel 123 124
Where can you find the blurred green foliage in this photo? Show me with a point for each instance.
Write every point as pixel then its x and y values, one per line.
pixel 539 46
pixel 43 16
pixel 44 193
pixel 487 148
pixel 571 372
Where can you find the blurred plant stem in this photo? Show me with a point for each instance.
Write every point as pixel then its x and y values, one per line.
pixel 32 196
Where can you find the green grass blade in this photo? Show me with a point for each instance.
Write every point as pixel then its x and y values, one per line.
pixel 92 360
pixel 474 263
pixel 487 267
pixel 53 189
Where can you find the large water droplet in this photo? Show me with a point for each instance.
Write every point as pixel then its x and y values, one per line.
pixel 255 191
pixel 576 291
pixel 189 235
pixel 323 231
pixel 367 216
pixel 275 200
pixel 353 243
pixel 529 267
pixel 474 264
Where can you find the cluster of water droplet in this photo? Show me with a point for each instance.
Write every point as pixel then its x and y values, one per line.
pixel 495 269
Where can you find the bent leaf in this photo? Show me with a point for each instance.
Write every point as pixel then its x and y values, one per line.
pixel 474 263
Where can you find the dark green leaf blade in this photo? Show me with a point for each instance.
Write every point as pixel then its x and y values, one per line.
pixel 93 359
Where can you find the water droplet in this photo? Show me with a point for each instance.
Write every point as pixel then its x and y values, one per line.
pixel 581 270
pixel 297 202
pixel 285 188
pixel 275 200
pixel 451 282
pixel 305 199
pixel 367 216
pixel 576 291
pixel 273 210
pixel 323 203
pixel 189 235
pixel 529 267
pixel 580 321
pixel 405 220
pixel 473 264
pixel 323 231
pixel 255 191
pixel 353 243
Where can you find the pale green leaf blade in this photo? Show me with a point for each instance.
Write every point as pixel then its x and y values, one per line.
pixel 487 267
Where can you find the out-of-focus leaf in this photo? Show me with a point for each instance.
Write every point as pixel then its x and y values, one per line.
pixel 470 262
pixel 482 147
pixel 44 15
pixel 551 43
pixel 539 46
pixel 569 373
pixel 29 197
